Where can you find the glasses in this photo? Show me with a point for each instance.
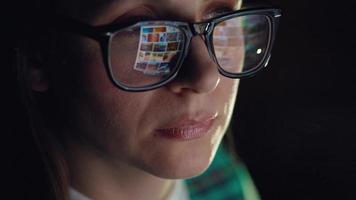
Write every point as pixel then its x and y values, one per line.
pixel 149 54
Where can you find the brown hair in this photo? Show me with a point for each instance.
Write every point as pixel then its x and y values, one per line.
pixel 28 38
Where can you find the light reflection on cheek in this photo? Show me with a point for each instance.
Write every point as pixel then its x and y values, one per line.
pixel 215 141
pixel 226 117
pixel 229 106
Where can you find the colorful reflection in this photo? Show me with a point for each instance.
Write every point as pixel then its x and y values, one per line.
pixel 158 47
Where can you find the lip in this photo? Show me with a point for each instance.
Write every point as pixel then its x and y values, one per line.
pixel 187 128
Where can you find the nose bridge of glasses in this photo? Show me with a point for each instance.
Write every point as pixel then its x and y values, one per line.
pixel 200 28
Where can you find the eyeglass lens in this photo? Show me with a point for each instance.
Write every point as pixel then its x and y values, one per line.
pixel 147 54
pixel 150 52
pixel 240 43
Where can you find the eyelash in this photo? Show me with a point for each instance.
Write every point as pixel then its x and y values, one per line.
pixel 136 18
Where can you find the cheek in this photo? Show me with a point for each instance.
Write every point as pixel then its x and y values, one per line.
pixel 101 114
pixel 225 97
pixel 119 123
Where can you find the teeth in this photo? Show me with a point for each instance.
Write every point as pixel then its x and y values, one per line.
pixel 190 132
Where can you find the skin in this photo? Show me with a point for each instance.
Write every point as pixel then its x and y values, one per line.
pixel 109 141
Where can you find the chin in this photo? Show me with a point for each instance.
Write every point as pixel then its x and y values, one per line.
pixel 181 170
pixel 180 161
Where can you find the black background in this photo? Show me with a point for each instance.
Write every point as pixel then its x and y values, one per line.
pixel 295 123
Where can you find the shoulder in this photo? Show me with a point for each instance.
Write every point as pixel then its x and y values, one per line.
pixel 226 178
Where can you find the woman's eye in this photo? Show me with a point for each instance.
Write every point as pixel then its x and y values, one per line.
pixel 132 30
pixel 132 33
pixel 133 19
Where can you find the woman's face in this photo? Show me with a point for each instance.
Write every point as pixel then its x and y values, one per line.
pixel 170 132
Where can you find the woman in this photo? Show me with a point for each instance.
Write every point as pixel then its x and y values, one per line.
pixel 128 98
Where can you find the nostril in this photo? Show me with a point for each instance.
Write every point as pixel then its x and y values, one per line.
pixel 198 84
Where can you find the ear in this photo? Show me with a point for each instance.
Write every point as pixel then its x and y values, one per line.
pixel 37 77
pixel 38 80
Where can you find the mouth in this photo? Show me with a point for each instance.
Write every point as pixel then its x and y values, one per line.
pixel 187 128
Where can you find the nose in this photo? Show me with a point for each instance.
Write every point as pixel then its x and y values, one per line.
pixel 199 73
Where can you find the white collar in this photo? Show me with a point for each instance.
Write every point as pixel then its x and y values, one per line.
pixel 179 192
pixel 76 195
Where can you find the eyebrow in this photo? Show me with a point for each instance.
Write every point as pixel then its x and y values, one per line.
pixel 237 3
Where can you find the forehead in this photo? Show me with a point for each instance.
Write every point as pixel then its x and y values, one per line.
pixel 160 2
pixel 101 10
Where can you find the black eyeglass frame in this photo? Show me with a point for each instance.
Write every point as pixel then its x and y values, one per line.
pixel 104 34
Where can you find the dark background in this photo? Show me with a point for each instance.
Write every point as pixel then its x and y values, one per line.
pixel 295 124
